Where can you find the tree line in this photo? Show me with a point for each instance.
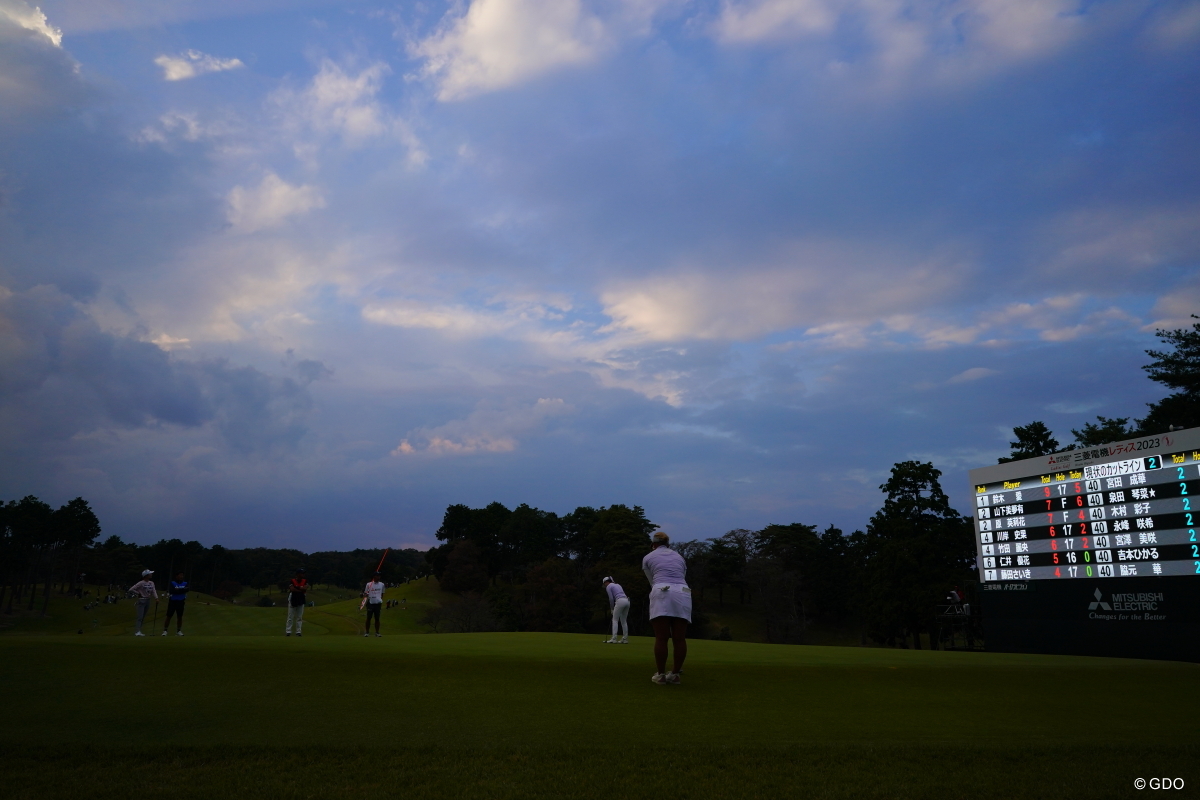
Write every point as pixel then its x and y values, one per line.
pixel 44 550
pixel 529 569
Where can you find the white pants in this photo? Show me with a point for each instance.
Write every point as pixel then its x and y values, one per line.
pixel 295 613
pixel 621 615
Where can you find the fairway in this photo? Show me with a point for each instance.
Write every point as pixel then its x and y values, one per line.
pixel 818 721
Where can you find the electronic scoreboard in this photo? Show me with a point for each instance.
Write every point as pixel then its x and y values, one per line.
pixel 1093 551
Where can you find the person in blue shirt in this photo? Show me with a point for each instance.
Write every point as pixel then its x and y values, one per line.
pixel 178 594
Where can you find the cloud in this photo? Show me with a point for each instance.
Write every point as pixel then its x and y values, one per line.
pixel 270 203
pixel 973 374
pixel 486 430
pixel 496 44
pixel 36 74
pixel 892 44
pixel 768 20
pixel 62 377
pixel 193 63
pixel 31 18
pixel 344 104
pixel 744 302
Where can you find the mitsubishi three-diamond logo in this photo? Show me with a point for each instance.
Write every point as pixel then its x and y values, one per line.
pixel 1098 603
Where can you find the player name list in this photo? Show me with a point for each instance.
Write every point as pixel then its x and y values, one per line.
pixel 1128 517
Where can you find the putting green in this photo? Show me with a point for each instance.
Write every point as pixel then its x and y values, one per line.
pixel 514 715
pixel 541 689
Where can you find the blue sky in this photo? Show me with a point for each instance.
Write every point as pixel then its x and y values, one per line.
pixel 302 273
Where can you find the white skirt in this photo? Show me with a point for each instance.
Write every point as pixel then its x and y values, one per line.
pixel 671 600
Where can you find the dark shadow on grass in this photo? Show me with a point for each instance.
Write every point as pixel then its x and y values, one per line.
pixel 602 772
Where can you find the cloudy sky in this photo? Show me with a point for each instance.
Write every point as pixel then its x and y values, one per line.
pixel 301 272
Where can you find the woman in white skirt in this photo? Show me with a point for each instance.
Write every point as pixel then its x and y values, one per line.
pixel 618 604
pixel 670 605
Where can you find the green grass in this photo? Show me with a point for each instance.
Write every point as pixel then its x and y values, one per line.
pixel 549 715
pixel 336 612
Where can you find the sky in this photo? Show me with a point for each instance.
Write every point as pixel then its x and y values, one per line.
pixel 302 273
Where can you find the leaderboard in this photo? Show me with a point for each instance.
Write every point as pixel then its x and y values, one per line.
pixel 1131 509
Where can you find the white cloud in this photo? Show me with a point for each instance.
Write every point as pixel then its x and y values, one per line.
pixel 175 125
pixel 795 291
pixel 895 42
pixel 773 19
pixel 192 63
pixel 30 18
pixel 344 104
pixel 484 431
pixel 270 203
pixel 500 43
pixel 973 374
pixel 168 342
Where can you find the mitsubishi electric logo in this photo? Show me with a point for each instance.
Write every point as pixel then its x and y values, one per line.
pixel 1098 603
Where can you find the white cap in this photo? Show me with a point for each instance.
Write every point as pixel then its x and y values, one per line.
pixel 607 579
pixel 146 572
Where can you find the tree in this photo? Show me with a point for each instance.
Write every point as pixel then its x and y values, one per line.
pixel 1103 431
pixel 727 557
pixel 465 570
pixel 1179 369
pixel 915 549
pixel 1033 440
pixel 783 558
pixel 620 535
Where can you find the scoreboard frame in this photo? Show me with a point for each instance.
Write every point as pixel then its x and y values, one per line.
pixel 1088 552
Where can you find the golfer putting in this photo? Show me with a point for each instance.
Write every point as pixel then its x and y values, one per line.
pixel 670 606
pixel 618 606
pixel 144 589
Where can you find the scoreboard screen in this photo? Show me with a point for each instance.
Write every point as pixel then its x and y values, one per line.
pixel 1125 510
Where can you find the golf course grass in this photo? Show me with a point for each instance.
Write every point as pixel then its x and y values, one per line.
pixel 336 612
pixel 510 715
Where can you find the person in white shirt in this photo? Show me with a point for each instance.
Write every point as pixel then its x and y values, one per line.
pixel 670 605
pixel 144 589
pixel 374 595
pixel 618 605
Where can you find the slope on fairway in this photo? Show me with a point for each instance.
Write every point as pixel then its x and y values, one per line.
pixel 336 612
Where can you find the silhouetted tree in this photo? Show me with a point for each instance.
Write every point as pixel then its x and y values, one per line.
pixel 1177 368
pixel 1103 431
pixel 1033 440
pixel 915 549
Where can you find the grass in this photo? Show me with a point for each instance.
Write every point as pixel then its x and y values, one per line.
pixel 553 715
pixel 336 612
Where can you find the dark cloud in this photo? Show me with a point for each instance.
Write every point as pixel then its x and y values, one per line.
pixel 62 376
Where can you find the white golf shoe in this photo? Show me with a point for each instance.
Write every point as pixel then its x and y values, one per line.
pixel 658 677
pixel 179 633
pixel 672 677
pixel 139 633
pixel 164 633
